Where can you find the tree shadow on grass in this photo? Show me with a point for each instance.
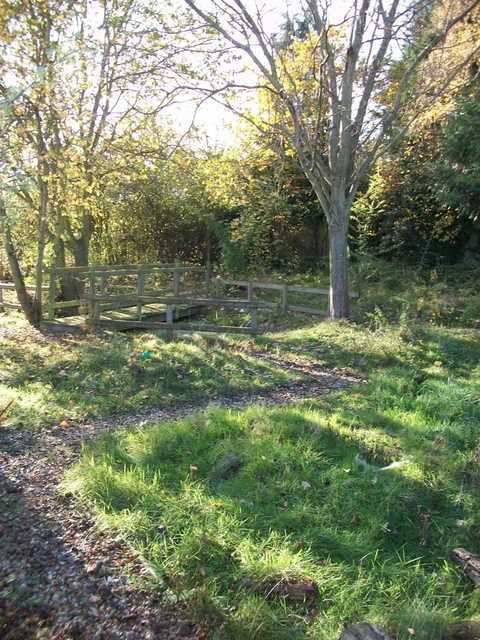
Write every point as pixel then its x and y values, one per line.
pixel 58 578
pixel 297 507
pixel 358 348
pixel 40 577
pixel 82 380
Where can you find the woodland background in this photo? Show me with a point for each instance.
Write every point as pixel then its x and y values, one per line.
pixel 90 152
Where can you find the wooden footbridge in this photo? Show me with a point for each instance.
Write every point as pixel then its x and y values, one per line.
pixel 172 297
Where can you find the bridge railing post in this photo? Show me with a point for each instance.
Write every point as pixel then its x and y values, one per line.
pixel 176 282
pixel 254 319
pixel 140 291
pixel 285 298
pixel 94 306
pixel 52 288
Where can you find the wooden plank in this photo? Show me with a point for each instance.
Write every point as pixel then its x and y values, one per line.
pixel 292 288
pixel 255 285
pixel 113 267
pixel 129 269
pixel 133 302
pixel 235 283
pixel 164 326
pixel 310 310
pixel 121 314
pixel 206 302
pixel 114 306
pixel 268 285
pixel 314 290
pixel 149 270
pixel 169 319
pixel 64 304
pixel 9 286
pixel 154 314
pixel 469 562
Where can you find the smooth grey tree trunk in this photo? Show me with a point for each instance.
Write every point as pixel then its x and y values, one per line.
pixel 338 253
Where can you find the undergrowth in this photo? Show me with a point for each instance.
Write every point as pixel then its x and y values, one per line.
pixel 310 499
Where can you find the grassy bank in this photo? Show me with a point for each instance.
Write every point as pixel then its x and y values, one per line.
pixel 308 497
pixel 73 378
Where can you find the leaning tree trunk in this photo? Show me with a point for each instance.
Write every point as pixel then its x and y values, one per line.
pixel 29 306
pixel 338 252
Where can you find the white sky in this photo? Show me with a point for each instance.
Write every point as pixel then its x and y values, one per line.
pixel 220 124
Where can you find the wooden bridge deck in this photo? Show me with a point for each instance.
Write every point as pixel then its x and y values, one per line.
pixel 150 313
pixel 166 297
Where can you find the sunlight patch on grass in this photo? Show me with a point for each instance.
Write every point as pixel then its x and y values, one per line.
pixel 84 377
pixel 300 506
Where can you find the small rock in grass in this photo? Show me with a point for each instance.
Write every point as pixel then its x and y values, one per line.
pixel 469 562
pixel 73 629
pixel 364 631
pixel 462 631
pixel 226 466
pixel 185 628
pixel 291 590
pixel 94 567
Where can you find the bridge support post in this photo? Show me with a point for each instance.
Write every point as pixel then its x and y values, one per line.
pixel 140 291
pixel 254 319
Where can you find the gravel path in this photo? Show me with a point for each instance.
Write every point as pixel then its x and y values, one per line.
pixel 60 578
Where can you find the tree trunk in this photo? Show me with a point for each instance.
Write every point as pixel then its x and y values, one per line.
pixel 338 303
pixel 68 287
pixel 334 204
pixel 321 242
pixel 79 244
pixel 29 306
pixel 208 247
pixel 80 249
pixel 471 252
pixel 41 239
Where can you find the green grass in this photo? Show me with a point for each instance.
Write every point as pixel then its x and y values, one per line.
pixel 310 500
pixel 75 378
pixel 376 542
